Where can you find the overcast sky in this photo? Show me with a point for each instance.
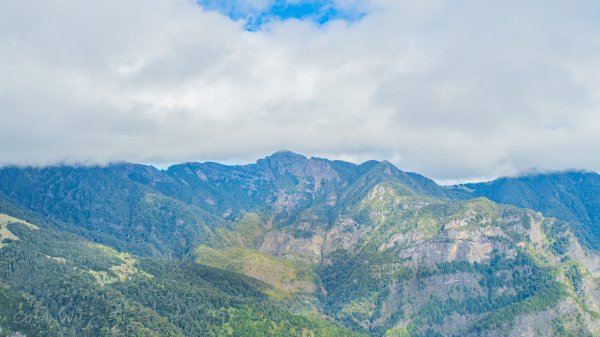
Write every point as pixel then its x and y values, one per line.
pixel 455 90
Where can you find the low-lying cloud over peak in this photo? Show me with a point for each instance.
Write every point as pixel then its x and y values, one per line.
pixel 450 89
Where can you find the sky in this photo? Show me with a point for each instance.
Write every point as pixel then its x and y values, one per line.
pixel 455 90
pixel 260 13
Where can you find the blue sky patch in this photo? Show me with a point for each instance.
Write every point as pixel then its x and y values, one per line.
pixel 318 11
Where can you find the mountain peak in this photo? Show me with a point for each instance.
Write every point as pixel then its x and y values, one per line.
pixel 386 168
pixel 284 158
pixel 288 162
pixel 286 154
pixel 284 162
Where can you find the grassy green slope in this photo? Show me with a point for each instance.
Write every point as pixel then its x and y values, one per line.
pixel 382 251
pixel 54 283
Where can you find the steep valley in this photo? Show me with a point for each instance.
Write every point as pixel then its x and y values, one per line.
pixel 288 246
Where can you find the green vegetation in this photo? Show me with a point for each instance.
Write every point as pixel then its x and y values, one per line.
pixel 49 286
pixel 284 275
pixel 570 196
pixel 289 246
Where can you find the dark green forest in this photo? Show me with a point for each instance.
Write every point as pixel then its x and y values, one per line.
pixel 292 246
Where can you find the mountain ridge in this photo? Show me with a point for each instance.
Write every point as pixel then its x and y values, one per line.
pixel 567 195
pixel 319 245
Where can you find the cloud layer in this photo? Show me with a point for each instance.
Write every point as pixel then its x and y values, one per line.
pixel 451 89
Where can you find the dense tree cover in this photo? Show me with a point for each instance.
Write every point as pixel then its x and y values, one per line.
pixel 533 289
pixel 362 285
pixel 149 212
pixel 106 206
pixel 116 247
pixel 48 288
pixel 569 196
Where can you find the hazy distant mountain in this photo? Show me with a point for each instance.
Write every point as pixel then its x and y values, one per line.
pixel 291 246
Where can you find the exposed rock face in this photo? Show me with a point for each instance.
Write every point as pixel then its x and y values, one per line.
pixel 284 243
pixel 404 257
pixel 344 236
pixel 285 162
pixel 570 196
pixel 386 252
pixel 458 257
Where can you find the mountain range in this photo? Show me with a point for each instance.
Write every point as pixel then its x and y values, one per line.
pixel 295 246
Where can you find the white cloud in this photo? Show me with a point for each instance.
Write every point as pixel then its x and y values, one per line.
pixel 451 89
